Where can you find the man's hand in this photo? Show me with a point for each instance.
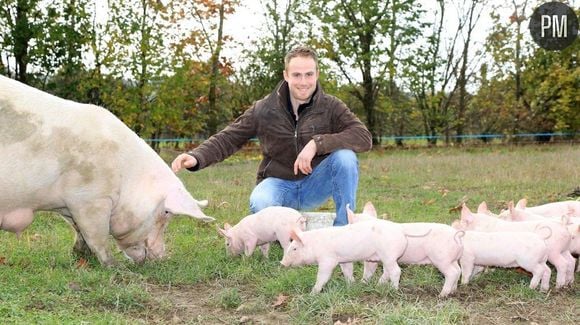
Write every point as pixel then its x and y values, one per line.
pixel 183 161
pixel 304 160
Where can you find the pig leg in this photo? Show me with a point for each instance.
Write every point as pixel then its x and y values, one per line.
pixel 250 246
pixel 284 241
pixel 477 269
pixel 347 270
pixel 265 248
pixel 561 265
pixel 92 220
pixel 545 283
pixel 392 271
pixel 571 263
pixel 369 270
pixel 539 272
pixel 325 269
pixel 80 248
pixel 452 272
pixel 466 269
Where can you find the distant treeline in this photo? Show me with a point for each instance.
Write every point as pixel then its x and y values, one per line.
pixel 161 67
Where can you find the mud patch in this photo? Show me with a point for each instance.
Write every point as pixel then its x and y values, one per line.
pixel 199 303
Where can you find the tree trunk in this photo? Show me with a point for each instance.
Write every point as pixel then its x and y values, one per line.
pixel 213 121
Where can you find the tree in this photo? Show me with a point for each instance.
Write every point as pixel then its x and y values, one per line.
pixel 20 23
pixel 366 36
pixel 430 74
pixel 69 31
pixel 205 42
pixel 508 49
pixel 468 23
pixel 138 31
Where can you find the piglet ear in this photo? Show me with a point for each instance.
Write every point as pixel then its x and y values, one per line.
pixel 179 201
pixel 511 206
pixel 522 204
pixel 370 209
pixel 466 214
pixel 223 232
pixel 482 208
pixel 350 215
pixel 302 222
pixel 294 235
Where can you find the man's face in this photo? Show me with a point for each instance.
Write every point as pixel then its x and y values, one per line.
pixel 301 76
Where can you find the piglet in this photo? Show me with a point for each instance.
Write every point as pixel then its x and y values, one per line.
pixel 558 238
pixel 428 243
pixel 521 213
pixel 329 247
pixel 568 208
pixel 505 249
pixel 262 228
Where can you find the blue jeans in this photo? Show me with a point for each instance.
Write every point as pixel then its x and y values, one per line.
pixel 336 177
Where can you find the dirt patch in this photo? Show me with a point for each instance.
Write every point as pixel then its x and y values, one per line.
pixel 201 303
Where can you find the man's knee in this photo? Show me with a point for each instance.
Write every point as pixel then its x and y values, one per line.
pixel 345 159
pixel 259 201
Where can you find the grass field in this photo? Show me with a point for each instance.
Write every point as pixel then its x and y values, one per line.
pixel 41 281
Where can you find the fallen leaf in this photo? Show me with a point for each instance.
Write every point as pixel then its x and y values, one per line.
pixel 74 286
pixel 2 260
pixel 82 263
pixel 443 192
pixel 429 202
pixel 280 301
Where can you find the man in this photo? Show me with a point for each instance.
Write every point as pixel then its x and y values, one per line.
pixel 308 141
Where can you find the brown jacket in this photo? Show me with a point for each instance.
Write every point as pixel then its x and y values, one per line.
pixel 328 121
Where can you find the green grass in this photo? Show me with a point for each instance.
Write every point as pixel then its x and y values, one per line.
pixel 41 280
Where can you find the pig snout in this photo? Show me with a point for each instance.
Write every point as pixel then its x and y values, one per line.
pixel 141 252
pixel 137 253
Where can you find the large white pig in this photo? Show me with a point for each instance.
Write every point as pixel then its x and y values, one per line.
pixel 428 243
pixel 331 246
pixel 558 238
pixel 81 161
pixel 262 228
pixel 505 249
pixel 554 209
pixel 521 213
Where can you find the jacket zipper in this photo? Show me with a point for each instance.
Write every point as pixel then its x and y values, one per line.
pixel 296 138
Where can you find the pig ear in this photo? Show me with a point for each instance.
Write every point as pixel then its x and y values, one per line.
pixel 350 215
pixel 179 201
pixel 370 209
pixel 522 204
pixel 223 232
pixel 202 204
pixel 466 214
pixel 294 236
pixel 227 226
pixel 302 222
pixel 482 208
pixel 511 206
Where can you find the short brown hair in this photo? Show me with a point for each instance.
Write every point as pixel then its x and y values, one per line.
pixel 300 51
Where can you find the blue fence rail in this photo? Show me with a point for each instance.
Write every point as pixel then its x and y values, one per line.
pixel 533 136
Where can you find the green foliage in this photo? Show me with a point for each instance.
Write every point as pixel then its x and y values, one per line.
pixel 366 38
